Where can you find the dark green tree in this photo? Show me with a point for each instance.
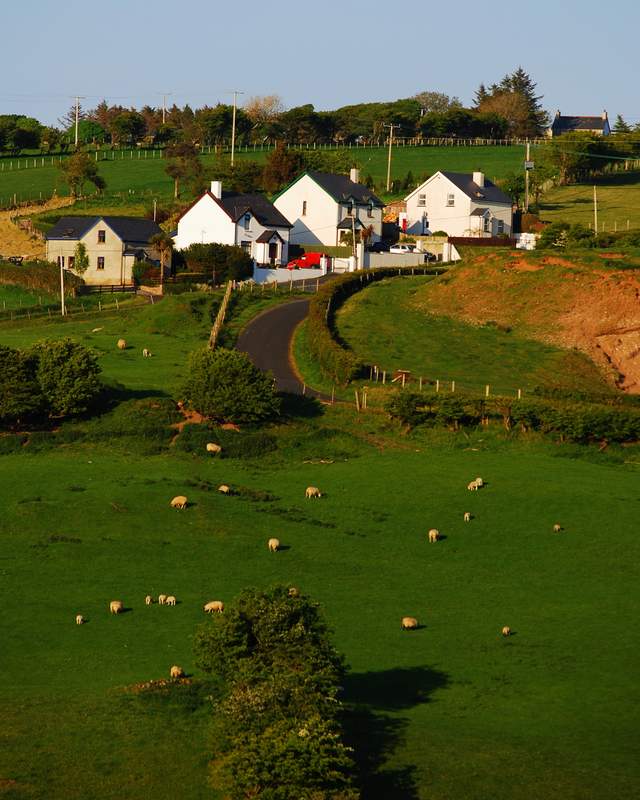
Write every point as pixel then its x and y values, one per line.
pixel 620 126
pixel 225 386
pixel 68 376
pixel 20 394
pixel 128 127
pixel 184 165
pixel 224 262
pixel 281 167
pixel 80 168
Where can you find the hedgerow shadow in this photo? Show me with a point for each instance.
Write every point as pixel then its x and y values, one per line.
pixel 376 733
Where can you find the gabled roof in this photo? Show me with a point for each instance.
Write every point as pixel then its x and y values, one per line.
pixel 562 124
pixel 236 205
pixel 488 193
pixel 479 212
pixel 128 229
pixel 340 187
pixel 266 236
pixel 349 222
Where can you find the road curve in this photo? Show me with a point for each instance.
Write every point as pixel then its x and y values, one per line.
pixel 267 342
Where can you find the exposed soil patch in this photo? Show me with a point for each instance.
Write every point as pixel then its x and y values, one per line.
pixel 17 242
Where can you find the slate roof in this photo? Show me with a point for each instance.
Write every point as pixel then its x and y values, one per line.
pixel 488 193
pixel 343 189
pixel 236 205
pixel 347 224
pixel 562 124
pixel 267 235
pixel 129 229
pixel 479 212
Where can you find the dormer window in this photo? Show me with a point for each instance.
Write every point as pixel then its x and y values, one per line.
pixel 102 236
pixel 247 221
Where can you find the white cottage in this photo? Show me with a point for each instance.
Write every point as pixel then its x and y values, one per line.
pixel 460 203
pixel 112 245
pixel 325 208
pixel 249 221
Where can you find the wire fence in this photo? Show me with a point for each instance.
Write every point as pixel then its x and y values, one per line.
pixel 406 379
pixel 80 310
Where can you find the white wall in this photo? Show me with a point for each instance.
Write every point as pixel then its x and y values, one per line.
pixel 205 222
pixel 115 271
pixel 319 224
pixel 283 275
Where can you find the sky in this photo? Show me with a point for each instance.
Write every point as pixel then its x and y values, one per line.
pixel 583 54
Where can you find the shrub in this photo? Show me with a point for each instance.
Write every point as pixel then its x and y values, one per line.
pixel 406 408
pixel 67 373
pixel 39 276
pixel 224 385
pixel 226 261
pixel 20 393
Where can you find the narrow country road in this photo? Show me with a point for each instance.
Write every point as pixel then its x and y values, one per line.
pixel 267 342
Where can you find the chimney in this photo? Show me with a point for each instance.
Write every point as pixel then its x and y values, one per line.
pixel 604 114
pixel 478 178
pixel 355 175
pixel 558 114
pixel 216 189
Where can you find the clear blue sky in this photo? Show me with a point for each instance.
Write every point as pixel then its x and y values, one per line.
pixel 583 55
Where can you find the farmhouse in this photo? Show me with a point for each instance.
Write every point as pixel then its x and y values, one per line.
pixel 327 208
pixel 112 245
pixel 563 124
pixel 462 204
pixel 249 221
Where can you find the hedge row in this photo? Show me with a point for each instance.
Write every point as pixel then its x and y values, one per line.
pixel 37 276
pixel 336 362
pixel 576 422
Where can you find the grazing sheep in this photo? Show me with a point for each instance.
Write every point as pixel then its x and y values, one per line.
pixel 312 491
pixel 176 672
pixel 230 426
pixel 273 545
pixel 467 516
pixel 224 489
pixel 409 623
pixel 162 599
pixel 212 447
pixel 171 600
pixel 116 607
pixel 506 631
pixel 434 535
pixel 148 600
pixel 557 527
pixel 79 619
pixel 122 344
pixel 146 353
pixel 472 487
pixel 479 483
pixel 214 605
pixel 294 591
pixel 179 502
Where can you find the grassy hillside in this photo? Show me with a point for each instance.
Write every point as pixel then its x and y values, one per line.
pixel 618 203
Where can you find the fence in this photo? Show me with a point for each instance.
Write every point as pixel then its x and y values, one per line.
pixel 53 312
pixel 403 378
pixel 217 325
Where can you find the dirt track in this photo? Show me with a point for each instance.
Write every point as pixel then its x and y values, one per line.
pixel 17 242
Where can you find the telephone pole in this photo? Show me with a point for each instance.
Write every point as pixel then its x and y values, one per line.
pixel 526 178
pixel 164 105
pixel 595 211
pixel 391 127
pixel 78 98
pixel 233 125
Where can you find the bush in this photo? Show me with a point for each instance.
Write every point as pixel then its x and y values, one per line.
pixel 226 261
pixel 194 438
pixel 67 373
pixel 39 276
pixel 560 235
pixel 225 386
pixel 20 393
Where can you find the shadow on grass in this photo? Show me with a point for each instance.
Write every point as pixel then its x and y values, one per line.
pixel 300 406
pixel 376 733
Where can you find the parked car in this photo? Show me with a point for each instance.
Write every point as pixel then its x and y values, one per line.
pixel 307 260
pixel 378 247
pixel 429 258
pixel 402 248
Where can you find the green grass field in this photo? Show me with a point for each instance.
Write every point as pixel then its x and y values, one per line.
pixel 618 203
pixel 452 710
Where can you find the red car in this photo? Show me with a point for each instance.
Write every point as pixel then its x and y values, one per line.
pixel 308 260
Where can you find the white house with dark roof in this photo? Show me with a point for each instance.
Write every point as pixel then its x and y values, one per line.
pixel 113 244
pixel 249 221
pixel 460 203
pixel 323 207
pixel 565 124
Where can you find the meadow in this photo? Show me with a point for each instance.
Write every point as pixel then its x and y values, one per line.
pixel 452 710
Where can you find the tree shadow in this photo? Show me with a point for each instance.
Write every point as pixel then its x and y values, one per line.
pixel 300 406
pixel 375 733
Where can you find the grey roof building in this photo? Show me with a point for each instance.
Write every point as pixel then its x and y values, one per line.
pixel 568 124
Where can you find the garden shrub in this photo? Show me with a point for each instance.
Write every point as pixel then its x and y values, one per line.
pixel 11 443
pixel 67 373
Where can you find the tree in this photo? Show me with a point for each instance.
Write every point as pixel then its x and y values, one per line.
pixel 163 243
pixel 620 126
pixel 511 106
pixel 225 262
pixel 128 127
pixel 281 167
pixel 225 386
pixel 20 394
pixel 80 259
pixel 436 101
pixel 244 176
pixel 184 164
pixel 80 168
pixel 68 376
pixel 264 112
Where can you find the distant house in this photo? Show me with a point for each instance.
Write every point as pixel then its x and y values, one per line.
pixel 112 245
pixel 460 203
pixel 248 221
pixel 326 208
pixel 563 124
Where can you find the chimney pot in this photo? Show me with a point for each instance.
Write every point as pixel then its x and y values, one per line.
pixel 478 178
pixel 355 175
pixel 216 189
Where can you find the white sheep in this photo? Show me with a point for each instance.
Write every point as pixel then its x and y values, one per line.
pixel 116 607
pixel 214 448
pixel 472 487
pixel 409 623
pixel 467 516
pixel 312 491
pixel 148 600
pixel 224 489
pixel 79 619
pixel 434 535
pixel 179 502
pixel 479 483
pixel 162 599
pixel 176 672
pixel 273 545
pixel 171 600
pixel 506 631
pixel 557 527
pixel 122 344
pixel 146 353
pixel 212 606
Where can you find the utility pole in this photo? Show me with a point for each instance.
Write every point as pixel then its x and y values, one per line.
pixel 391 127
pixel 164 105
pixel 63 309
pixel 595 211
pixel 526 178
pixel 233 125
pixel 78 98
pixel 354 211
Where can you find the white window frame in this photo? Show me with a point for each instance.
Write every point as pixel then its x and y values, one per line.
pixel 422 200
pixel 500 228
pixel 102 236
pixel 451 200
pixel 100 263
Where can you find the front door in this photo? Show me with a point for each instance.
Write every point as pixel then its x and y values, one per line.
pixel 273 252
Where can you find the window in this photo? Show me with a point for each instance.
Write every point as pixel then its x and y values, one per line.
pixel 246 246
pixel 500 226
pixel 451 199
pixel 370 210
pixel 304 208
pixel 72 261
pixel 100 262
pixel 102 237
pixel 422 200
pixel 486 223
pixel 247 221
pixel 350 209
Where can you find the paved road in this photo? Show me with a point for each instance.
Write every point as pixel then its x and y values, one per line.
pixel 267 342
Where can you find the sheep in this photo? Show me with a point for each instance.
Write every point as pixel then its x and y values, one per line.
pixel 273 545
pixel 479 483
pixel 467 516
pixel 224 489
pixel 171 600
pixel 176 672
pixel 162 599
pixel 214 448
pixel 409 623
pixel 472 487
pixel 214 605
pixel 148 600
pixel 557 527
pixel 79 619
pixel 146 353
pixel 294 591
pixel 179 502
pixel 434 535
pixel 506 631
pixel 312 491
pixel 122 344
pixel 116 607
